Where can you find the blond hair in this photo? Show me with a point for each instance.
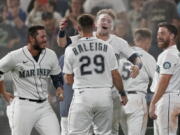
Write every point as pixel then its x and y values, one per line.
pixel 109 12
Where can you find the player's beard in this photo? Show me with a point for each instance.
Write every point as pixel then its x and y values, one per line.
pixel 37 46
pixel 164 43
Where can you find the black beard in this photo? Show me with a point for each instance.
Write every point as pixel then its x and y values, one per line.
pixel 166 44
pixel 36 46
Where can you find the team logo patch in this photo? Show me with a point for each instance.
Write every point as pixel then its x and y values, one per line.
pixel 167 65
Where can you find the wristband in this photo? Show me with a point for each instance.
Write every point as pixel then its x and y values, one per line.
pixel 122 93
pixel 61 33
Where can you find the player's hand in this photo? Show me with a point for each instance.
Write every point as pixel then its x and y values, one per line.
pixel 60 93
pixel 134 71
pixel 152 111
pixel 124 100
pixel 7 96
pixel 63 24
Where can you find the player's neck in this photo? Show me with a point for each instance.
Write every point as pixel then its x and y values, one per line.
pixel 172 43
pixel 33 51
pixel 102 36
pixel 86 34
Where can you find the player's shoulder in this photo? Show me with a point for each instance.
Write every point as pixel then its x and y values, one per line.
pixel 50 51
pixel 75 38
pixel 171 51
pixel 117 39
pixel 102 42
pixel 16 53
pixel 142 52
pixel 145 56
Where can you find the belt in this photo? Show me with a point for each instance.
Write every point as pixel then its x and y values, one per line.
pixel 135 92
pixel 33 100
pixel 131 92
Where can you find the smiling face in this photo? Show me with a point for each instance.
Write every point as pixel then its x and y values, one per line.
pixel 104 24
pixel 163 37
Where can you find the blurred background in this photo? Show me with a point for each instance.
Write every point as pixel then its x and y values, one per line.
pixel 17 15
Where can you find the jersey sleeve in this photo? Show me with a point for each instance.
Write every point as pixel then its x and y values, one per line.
pixel 149 65
pixel 68 67
pixel 168 64
pixel 126 49
pixel 55 69
pixel 7 63
pixel 112 59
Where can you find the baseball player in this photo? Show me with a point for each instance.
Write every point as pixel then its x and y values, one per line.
pixel 91 66
pixel 134 115
pixel 165 104
pixel 104 23
pixel 30 67
pixel 65 104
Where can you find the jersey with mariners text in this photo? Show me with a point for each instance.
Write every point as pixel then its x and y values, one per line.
pixel 30 77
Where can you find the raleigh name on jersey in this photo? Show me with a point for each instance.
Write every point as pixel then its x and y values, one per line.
pixel 91 60
pixel 168 63
pixel 30 76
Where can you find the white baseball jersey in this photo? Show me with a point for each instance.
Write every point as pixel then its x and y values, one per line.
pixel 91 60
pixel 120 46
pixel 168 63
pixel 30 77
pixel 133 116
pixel 140 83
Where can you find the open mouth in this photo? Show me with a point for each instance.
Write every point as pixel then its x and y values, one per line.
pixel 104 27
pixel 160 41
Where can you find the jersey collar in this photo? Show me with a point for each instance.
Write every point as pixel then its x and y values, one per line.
pixel 28 54
pixel 87 38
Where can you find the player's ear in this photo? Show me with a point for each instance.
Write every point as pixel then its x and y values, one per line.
pixel 79 28
pixel 94 26
pixel 172 36
pixel 31 39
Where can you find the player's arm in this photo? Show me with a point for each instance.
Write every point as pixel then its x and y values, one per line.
pixel 159 91
pixel 56 76
pixel 133 57
pixel 69 79
pixel 136 60
pixel 7 96
pixel 58 84
pixel 68 66
pixel 62 39
pixel 117 81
